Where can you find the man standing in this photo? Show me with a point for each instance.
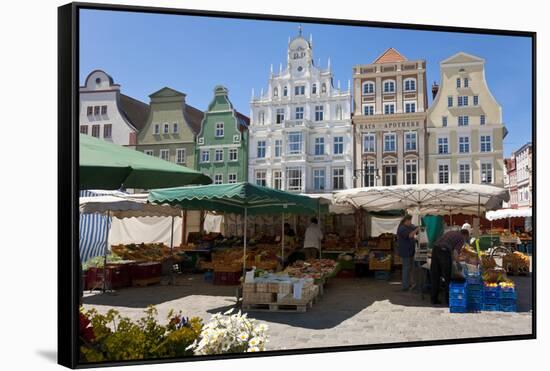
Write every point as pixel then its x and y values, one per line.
pixel 445 250
pixel 312 240
pixel 406 233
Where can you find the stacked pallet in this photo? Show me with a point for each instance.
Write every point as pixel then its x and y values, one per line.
pixel 279 296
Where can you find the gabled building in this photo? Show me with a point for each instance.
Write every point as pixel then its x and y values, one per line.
pixel 222 143
pixel 465 127
pixel 108 114
pixel 300 130
pixel 171 127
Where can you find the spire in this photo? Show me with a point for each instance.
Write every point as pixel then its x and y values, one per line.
pixel 311 40
pixel 271 68
pixel 262 93
pixel 349 85
pixel 300 30
pixel 338 84
pixel 329 63
pixel 280 68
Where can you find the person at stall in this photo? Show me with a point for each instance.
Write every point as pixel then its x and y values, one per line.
pixel 406 239
pixel 444 252
pixel 473 242
pixel 312 240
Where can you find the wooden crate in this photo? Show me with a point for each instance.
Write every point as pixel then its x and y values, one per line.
pixel 259 298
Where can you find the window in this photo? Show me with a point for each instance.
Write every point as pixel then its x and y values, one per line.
pixel 411 171
pixel 369 143
pixel 218 178
pixel 275 92
pixel 444 121
pixel 485 143
pixel 280 116
pixel 466 82
pixel 299 90
pixel 390 175
pixel 166 128
pixel 389 108
pixel 410 141
pixel 443 173
pixel 96 110
pixel 319 146
pixel 103 110
pixel 180 156
pixel 368 87
pixel 149 152
pixel 389 142
pixel 175 128
pixel 219 130
pixel 157 129
pixel 463 101
pixel 324 88
pixel 261 149
pixel 89 110
pixel 338 145
pixel 410 107
pixel 319 110
pixel 370 174
pixel 205 155
pixel 165 154
pixel 486 172
pixel 285 91
pixel 482 120
pixel 338 178
pixel 260 178
pixel 233 154
pixel 463 144
pixel 410 85
pixel 277 179
pixel 464 173
pixel 294 179
pixel 389 86
pixel 442 145
pixel 463 120
pixel 368 109
pixel 83 129
pixel 458 82
pixel 314 89
pixel 295 143
pixel 278 148
pixel 261 117
pixel 299 113
pixel 107 131
pixel 95 131
pixel 319 179
pixel 218 155
pixel 232 178
pixel 449 101
pixel 476 100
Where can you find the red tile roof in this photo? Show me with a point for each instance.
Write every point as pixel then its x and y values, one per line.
pixel 390 56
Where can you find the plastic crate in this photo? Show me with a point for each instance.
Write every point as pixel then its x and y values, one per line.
pixel 457 296
pixel 457 288
pixel 507 302
pixel 473 280
pixel 458 309
pixel 491 301
pixel 491 292
pixel 490 307
pixel 473 299
pixel 382 275
pixel 453 302
pixel 508 293
pixel 474 307
pixel 508 308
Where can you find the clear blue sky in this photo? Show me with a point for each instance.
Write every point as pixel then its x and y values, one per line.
pixel 145 52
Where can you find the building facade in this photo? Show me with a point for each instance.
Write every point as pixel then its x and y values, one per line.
pixel 108 114
pixel 510 182
pixel 300 131
pixel 524 178
pixel 465 128
pixel 171 127
pixel 222 143
pixel 389 120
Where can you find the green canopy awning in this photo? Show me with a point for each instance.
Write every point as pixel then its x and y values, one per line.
pixel 234 198
pixel 106 165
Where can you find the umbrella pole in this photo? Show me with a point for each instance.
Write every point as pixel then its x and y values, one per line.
pixel 244 233
pixel 172 281
pixel 283 239
pixel 105 251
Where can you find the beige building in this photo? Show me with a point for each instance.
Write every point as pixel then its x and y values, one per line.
pixel 465 129
pixel 389 120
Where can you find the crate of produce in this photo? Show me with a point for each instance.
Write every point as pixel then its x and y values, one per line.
pixel 457 288
pixel 227 278
pixel 458 309
pixel 385 243
pixel 490 307
pixel 507 290
pixel 508 308
pixel 491 290
pixel 380 260
pixel 382 275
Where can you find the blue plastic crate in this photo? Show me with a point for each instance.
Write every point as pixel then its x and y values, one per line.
pixel 508 308
pixel 382 275
pixel 507 302
pixel 457 302
pixel 457 288
pixel 490 307
pixel 458 309
pixel 491 301
pixel 507 294
pixel 474 287
pixel 474 280
pixel 478 300
pixel 491 292
pixel 458 296
pixel 474 307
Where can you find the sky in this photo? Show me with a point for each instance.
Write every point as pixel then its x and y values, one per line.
pixel 145 52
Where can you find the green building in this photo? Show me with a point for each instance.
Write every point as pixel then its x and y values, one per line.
pixel 222 143
pixel 171 128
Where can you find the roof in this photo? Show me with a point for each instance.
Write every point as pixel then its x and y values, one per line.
pixel 390 56
pixel 135 111
pixel 167 92
pixel 462 57
pixel 194 118
pixel 243 120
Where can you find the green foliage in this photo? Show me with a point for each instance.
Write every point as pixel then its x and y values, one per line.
pixel 97 262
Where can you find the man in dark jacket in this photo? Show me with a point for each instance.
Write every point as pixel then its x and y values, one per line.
pixel 445 250
pixel 406 233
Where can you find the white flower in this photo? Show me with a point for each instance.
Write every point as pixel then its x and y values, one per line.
pixel 243 336
pixel 253 349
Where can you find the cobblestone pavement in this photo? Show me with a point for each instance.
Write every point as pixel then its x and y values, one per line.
pixel 352 311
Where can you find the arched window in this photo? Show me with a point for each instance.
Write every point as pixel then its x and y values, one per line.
pixel 314 89
pixel 285 91
pixel 389 86
pixel 368 87
pixel 409 84
pixel 276 92
pixel 261 117
pixel 324 88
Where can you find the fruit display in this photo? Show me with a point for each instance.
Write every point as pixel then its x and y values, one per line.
pixel 468 256
pixel 156 252
pixel 312 268
pixel 385 241
pixel 335 242
pixel 507 285
pixel 516 262
pixel 487 261
pixel 494 276
pixel 262 256
pixel 380 260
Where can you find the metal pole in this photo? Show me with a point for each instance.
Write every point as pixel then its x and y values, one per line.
pixel 451 218
pixel 105 251
pixel 172 253
pixel 244 233
pixel 283 239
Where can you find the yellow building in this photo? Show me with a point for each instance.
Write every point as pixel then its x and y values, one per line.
pixel 464 124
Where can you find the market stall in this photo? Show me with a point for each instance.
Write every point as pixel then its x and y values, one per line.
pixel 509 238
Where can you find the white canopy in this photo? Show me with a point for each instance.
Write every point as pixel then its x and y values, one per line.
pixel 508 213
pixel 428 198
pixel 328 199
pixel 125 206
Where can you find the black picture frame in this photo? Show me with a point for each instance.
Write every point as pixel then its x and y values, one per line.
pixel 68 159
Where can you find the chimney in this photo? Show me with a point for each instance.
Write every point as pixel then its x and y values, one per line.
pixel 435 89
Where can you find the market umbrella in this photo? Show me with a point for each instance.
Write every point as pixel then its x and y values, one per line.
pixel 508 214
pixel 105 165
pixel 239 198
